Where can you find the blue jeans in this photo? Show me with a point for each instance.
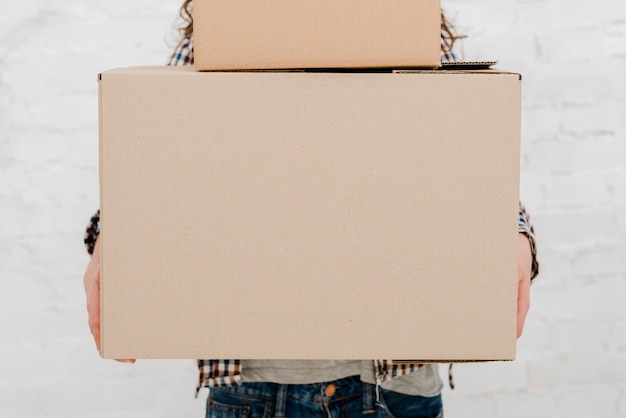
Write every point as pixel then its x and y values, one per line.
pixel 343 398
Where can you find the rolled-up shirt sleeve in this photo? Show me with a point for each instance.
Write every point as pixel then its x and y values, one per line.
pixel 525 227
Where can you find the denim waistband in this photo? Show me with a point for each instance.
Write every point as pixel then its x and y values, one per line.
pixel 349 387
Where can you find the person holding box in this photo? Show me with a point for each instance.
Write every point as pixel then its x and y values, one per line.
pixel 317 388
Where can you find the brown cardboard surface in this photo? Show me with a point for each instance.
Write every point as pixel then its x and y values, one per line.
pixel 309 215
pixel 239 34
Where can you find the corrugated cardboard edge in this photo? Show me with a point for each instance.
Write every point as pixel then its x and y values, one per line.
pixel 485 71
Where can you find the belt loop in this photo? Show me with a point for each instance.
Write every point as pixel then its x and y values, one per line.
pixel 368 393
pixel 281 401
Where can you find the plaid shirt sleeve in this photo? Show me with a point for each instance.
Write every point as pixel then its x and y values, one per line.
pixel 183 53
pixel 525 227
pixel 92 231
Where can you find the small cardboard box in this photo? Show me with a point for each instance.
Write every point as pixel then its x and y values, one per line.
pixel 278 215
pixel 278 34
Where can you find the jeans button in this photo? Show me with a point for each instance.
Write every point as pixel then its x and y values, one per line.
pixel 330 390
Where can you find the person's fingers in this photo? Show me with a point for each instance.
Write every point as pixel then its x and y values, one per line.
pixel 93 306
pixel 524 266
pixel 523 301
pixel 91 282
pixel 93 310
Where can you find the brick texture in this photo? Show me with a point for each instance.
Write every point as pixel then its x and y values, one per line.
pixel 572 356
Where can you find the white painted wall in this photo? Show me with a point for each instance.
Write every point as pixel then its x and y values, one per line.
pixel 572 357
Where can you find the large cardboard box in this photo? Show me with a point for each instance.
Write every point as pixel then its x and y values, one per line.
pixel 309 215
pixel 272 34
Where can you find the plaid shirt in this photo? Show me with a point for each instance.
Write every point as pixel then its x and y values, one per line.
pixel 228 372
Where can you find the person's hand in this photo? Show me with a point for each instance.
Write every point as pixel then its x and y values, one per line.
pixel 524 267
pixel 91 280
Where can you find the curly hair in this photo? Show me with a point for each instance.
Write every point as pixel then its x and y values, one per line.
pixel 448 30
pixel 186 13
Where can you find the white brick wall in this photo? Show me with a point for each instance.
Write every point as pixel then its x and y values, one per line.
pixel 572 357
